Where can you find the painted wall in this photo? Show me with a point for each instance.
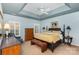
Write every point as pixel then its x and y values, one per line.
pixel 24 22
pixel 68 19
pixel 1 9
pixel 1 19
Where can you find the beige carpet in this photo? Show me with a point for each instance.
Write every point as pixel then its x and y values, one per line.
pixel 63 49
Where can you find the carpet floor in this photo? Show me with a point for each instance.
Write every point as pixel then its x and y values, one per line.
pixel 63 49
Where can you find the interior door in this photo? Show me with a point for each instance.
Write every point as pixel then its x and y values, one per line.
pixel 28 34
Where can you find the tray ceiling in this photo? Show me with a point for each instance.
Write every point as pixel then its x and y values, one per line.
pixel 39 11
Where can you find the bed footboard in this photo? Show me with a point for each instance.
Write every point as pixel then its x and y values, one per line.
pixel 52 46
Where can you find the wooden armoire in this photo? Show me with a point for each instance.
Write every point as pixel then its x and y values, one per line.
pixel 28 34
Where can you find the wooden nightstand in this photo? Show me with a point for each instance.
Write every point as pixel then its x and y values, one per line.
pixel 68 40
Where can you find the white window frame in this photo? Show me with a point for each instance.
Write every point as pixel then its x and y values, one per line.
pixel 13 22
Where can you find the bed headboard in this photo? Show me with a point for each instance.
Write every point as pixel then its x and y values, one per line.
pixel 54 29
pixel 59 29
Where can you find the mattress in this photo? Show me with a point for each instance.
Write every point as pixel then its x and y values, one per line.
pixel 48 37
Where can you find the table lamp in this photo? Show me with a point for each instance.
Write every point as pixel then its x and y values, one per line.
pixel 7 28
pixel 68 29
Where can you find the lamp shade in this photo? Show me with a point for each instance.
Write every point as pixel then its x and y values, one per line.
pixel 68 28
pixel 7 26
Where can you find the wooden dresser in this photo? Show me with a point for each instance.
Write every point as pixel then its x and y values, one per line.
pixel 28 34
pixel 12 50
pixel 10 46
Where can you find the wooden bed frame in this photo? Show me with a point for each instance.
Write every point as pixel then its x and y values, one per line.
pixel 52 45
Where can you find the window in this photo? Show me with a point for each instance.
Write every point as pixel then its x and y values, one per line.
pixel 12 28
pixel 15 28
pixel 36 28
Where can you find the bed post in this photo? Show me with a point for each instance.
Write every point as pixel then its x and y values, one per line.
pixel 51 47
pixel 63 33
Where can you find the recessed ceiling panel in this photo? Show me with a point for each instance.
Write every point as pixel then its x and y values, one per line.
pixel 12 8
pixel 29 14
pixel 73 5
pixel 34 7
pixel 56 11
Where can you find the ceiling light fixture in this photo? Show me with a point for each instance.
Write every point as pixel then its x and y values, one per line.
pixel 43 10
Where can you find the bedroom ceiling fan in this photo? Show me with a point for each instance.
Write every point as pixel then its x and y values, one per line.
pixel 43 10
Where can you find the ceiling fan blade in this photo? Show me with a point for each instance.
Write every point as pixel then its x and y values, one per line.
pixel 44 12
pixel 48 9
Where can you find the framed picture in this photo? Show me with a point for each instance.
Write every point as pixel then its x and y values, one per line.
pixel 54 24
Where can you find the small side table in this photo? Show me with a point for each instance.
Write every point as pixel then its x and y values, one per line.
pixel 69 40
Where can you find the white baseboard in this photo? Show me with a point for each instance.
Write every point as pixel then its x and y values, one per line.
pixel 75 44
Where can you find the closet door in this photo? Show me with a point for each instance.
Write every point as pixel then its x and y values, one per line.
pixel 28 34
